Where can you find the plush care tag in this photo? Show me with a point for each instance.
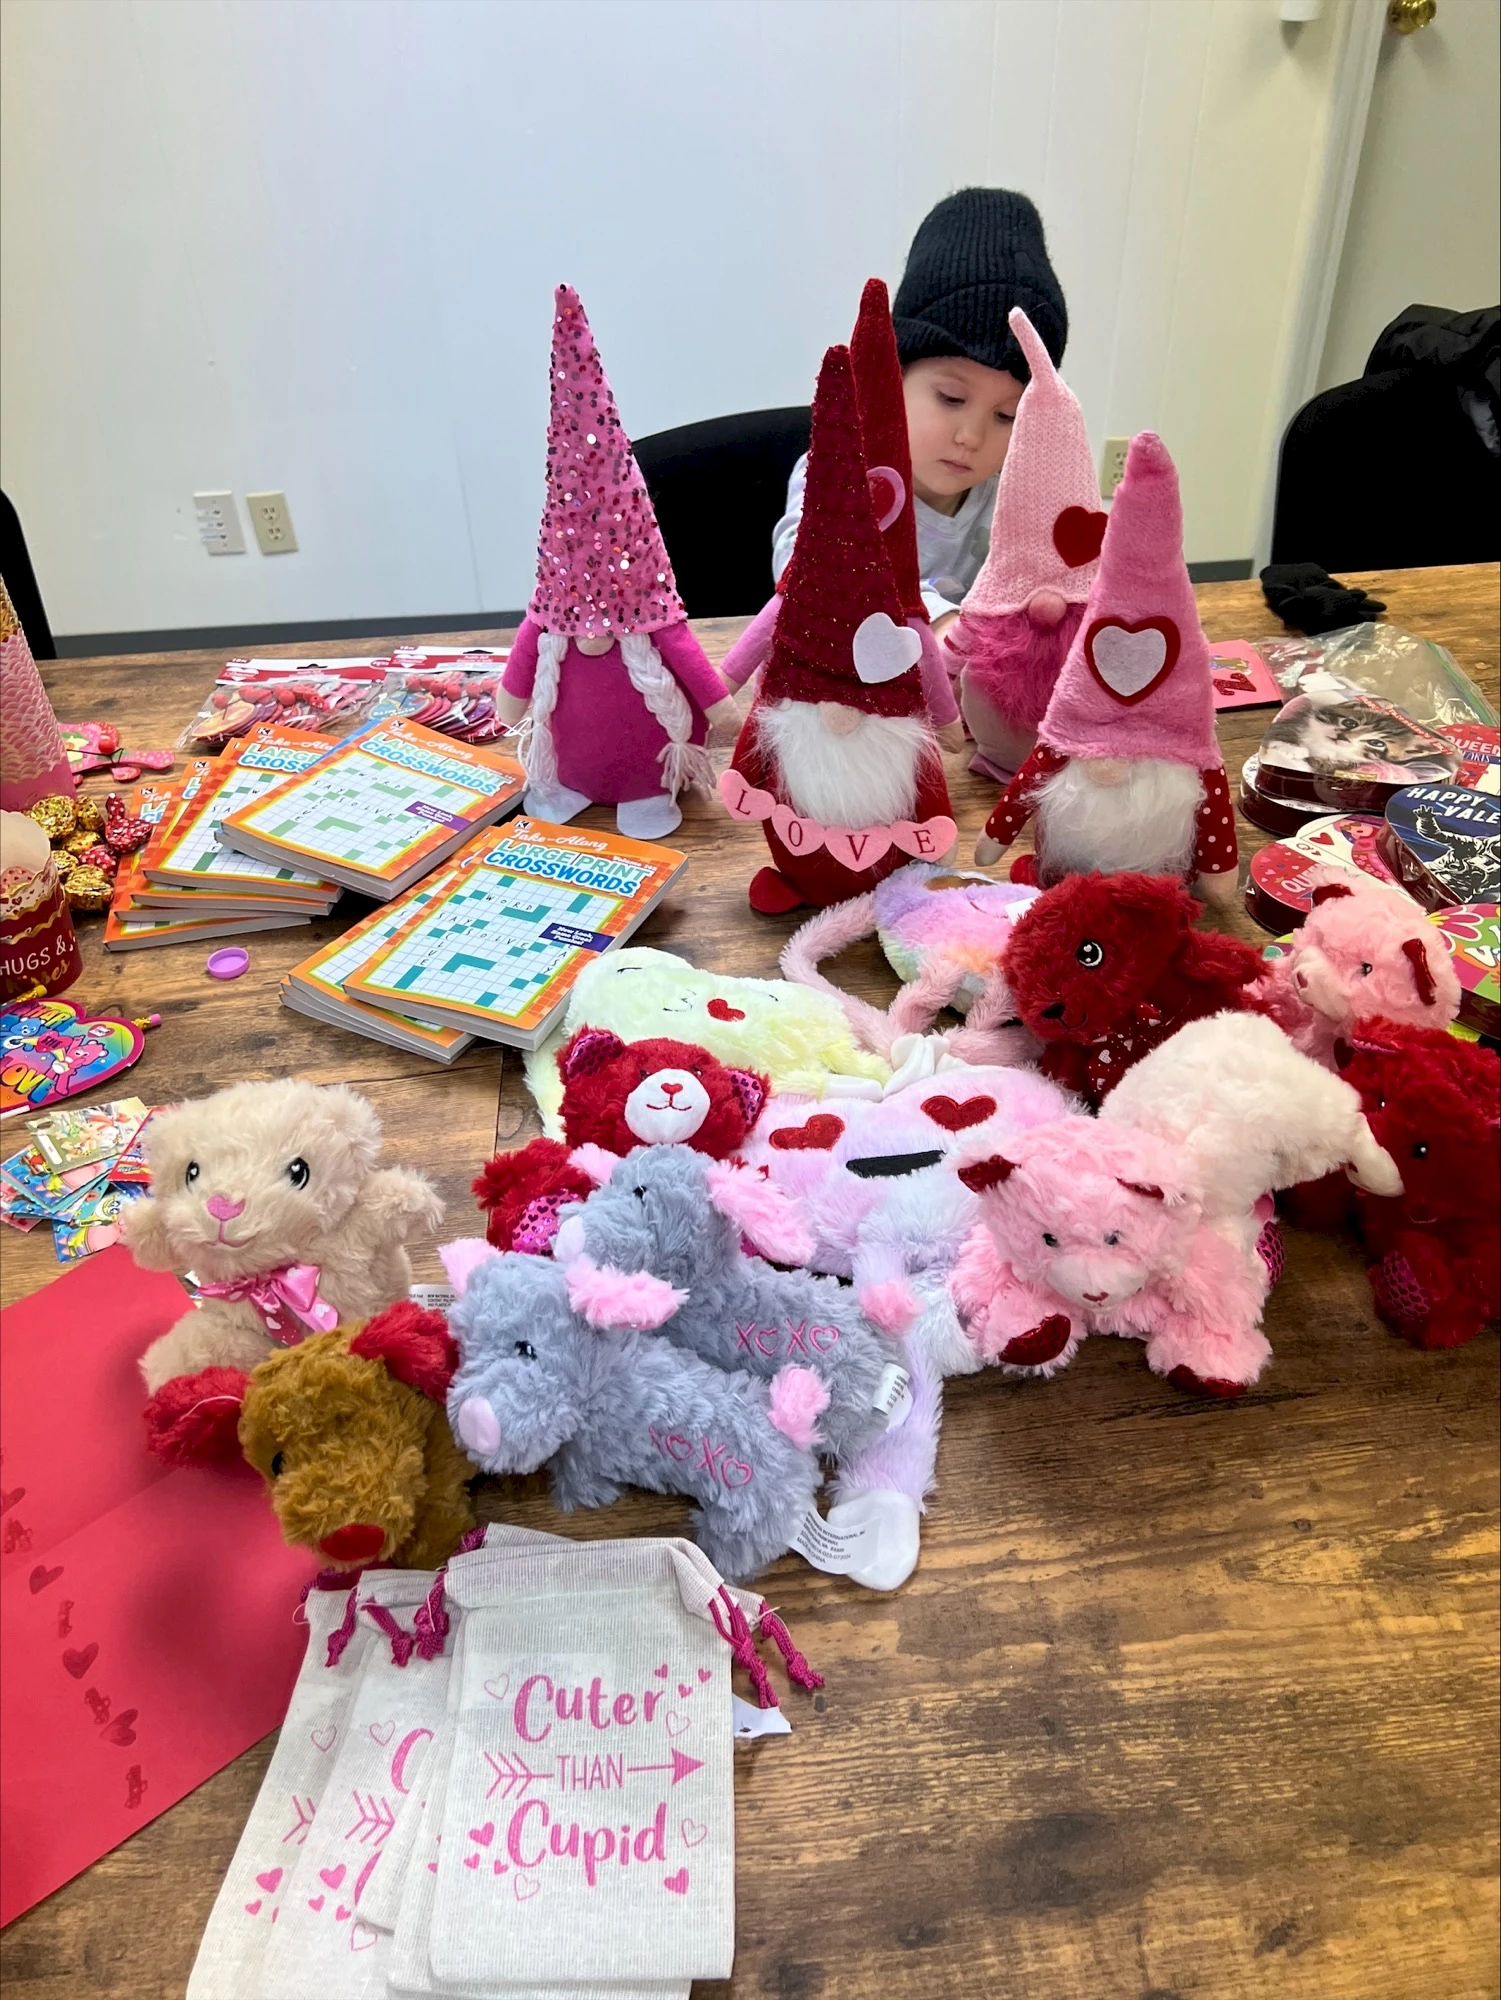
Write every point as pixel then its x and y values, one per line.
pixel 433 1298
pixel 834 1551
pixel 893 1395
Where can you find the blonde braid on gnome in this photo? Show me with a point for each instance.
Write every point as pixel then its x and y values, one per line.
pixel 838 760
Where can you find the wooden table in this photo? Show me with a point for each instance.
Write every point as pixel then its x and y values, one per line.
pixel 1183 1699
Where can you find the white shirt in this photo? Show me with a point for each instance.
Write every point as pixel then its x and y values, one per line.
pixel 950 547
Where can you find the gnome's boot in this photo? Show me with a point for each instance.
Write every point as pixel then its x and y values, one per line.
pixel 772 895
pixel 557 803
pixel 650 818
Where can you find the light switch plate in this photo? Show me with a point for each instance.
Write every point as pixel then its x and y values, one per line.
pixel 271 519
pixel 1112 465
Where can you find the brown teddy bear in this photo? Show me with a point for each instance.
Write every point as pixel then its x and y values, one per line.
pixel 272 1196
pixel 348 1430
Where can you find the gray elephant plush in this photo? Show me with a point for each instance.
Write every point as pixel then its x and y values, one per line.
pixel 537 1385
pixel 659 1245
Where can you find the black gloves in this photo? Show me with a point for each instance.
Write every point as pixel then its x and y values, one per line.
pixel 1308 598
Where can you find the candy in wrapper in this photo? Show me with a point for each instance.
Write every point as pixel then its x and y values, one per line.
pixel 55 815
pixel 101 857
pixel 77 843
pixel 90 815
pixel 87 889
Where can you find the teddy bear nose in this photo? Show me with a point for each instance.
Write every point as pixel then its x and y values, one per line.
pixel 1053 1013
pixel 670 1090
pixel 356 1543
pixel 222 1209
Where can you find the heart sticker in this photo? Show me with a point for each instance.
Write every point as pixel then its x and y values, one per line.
pixel 1077 535
pixel 888 494
pixel 1129 661
pixel 49 1051
pixel 883 650
pixel 822 1131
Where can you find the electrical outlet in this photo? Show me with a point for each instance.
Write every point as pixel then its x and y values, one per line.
pixel 1112 466
pixel 271 518
pixel 219 527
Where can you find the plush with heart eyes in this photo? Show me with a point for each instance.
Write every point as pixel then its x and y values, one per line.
pixel 799 1039
pixel 1103 967
pixel 537 1385
pixel 347 1430
pixel 272 1195
pixel 1434 1251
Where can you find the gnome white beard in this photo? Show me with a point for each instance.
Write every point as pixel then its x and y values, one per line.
pixel 1144 825
pixel 867 778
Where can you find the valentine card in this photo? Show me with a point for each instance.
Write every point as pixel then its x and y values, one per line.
pixel 146 1630
pixel 1241 677
pixel 49 1050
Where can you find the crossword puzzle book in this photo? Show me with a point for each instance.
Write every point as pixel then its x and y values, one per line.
pixel 316 986
pixel 497 949
pixel 184 853
pixel 380 811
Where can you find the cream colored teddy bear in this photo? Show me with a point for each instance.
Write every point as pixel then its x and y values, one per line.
pixel 270 1196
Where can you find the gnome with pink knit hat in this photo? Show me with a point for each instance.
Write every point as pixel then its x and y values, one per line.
pixel 621 695
pixel 1127 774
pixel 1022 611
pixel 888 460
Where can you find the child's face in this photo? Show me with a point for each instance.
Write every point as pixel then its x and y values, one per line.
pixel 959 417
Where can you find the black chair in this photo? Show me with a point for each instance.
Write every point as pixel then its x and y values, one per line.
pixel 1387 473
pixel 20 581
pixel 719 489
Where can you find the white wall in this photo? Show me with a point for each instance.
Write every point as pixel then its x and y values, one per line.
pixel 310 245
pixel 1425 224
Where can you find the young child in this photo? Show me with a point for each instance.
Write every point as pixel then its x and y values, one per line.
pixel 975 256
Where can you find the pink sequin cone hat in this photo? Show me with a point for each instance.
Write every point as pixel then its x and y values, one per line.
pixel 883 421
pixel 1048 522
pixel 602 566
pixel 1136 681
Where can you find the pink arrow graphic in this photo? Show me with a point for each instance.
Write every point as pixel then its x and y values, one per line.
pixel 511 1776
pixel 298 1829
pixel 374 1817
pixel 680 1766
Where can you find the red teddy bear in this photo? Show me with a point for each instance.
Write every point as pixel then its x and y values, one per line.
pixel 616 1096
pixel 1434 1102
pixel 1104 967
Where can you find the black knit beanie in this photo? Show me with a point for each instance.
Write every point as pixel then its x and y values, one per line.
pixel 975 256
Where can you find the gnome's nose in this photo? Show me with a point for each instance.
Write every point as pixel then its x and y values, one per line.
pixel 839 718
pixel 222 1209
pixel 356 1543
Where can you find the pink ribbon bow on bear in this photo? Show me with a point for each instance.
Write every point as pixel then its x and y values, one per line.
pixel 291 1287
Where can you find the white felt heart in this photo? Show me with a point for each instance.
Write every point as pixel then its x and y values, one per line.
pixel 888 494
pixel 1129 660
pixel 883 649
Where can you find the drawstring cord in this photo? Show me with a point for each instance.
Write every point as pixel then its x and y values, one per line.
pixel 798 1671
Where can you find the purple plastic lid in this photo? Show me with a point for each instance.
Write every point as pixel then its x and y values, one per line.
pixel 228 963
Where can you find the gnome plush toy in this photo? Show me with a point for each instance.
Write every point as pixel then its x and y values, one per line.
pixel 1023 610
pixel 620 692
pixel 1127 775
pixel 888 469
pixel 837 758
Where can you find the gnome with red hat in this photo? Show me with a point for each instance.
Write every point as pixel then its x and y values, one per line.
pixel 1127 774
pixel 1022 612
pixel 837 758
pixel 888 469
pixel 621 695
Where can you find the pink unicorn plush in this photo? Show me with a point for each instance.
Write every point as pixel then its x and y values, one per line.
pixel 1154 1220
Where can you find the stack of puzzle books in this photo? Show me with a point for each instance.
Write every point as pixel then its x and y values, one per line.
pixel 492 945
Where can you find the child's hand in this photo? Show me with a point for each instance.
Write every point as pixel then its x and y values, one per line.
pixel 942 624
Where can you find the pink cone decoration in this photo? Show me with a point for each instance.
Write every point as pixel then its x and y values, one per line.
pixel 33 762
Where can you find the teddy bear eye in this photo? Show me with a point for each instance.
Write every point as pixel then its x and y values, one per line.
pixel 298 1172
pixel 1090 954
pixel 1420 1150
pixel 1050 1239
pixel 278 1464
pixel 639 1193
pixel 192 1173
pixel 1113 1238
pixel 525 1349
pixel 1366 968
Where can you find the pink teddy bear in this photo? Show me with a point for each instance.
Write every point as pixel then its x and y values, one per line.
pixel 1365 949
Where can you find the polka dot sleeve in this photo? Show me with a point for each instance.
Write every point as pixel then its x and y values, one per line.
pixel 1013 808
pixel 1216 851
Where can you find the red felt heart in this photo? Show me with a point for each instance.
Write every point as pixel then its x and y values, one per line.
pixel 1127 664
pixel 1077 535
pixel 723 1011
pixel 956 1117
pixel 821 1132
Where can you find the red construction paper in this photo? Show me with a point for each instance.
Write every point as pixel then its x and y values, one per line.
pixel 147 1635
